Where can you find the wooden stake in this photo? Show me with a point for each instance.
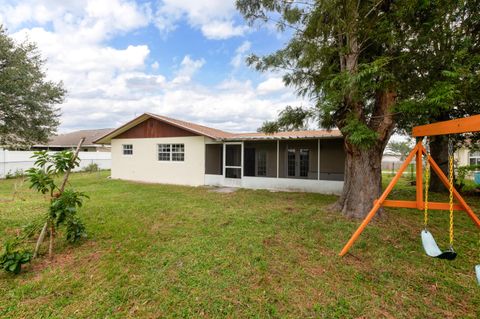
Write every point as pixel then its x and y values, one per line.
pixel 52 237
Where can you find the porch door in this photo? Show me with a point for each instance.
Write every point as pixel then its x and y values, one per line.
pixel 298 161
pixel 233 160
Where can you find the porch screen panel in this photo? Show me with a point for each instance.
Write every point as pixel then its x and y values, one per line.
pixel 291 162
pixel 262 163
pixel 260 159
pixel 214 159
pixel 332 160
pixel 233 155
pixel 304 162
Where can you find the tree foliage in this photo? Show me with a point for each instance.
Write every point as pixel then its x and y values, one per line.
pixel 289 119
pixel 63 204
pixel 346 55
pixel 400 148
pixel 27 99
pixel 370 67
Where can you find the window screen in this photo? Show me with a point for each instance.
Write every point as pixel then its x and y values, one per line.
pixel 304 162
pixel 164 152
pixel 127 149
pixel 262 163
pixel 475 158
pixel 178 152
pixel 291 162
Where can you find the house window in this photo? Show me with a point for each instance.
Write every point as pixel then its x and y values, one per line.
pixel 127 149
pixel 171 152
pixel 291 162
pixel 304 161
pixel 178 152
pixel 262 163
pixel 164 152
pixel 475 158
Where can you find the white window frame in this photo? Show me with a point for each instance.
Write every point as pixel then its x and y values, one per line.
pixel 127 149
pixel 182 145
pixel 170 152
pixel 474 155
pixel 159 145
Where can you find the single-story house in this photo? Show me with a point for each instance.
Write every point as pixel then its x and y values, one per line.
pixel 69 141
pixel 159 149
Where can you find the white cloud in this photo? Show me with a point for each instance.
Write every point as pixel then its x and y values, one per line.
pixel 239 57
pixel 188 68
pixel 271 85
pixel 215 18
pixel 108 86
pixel 218 30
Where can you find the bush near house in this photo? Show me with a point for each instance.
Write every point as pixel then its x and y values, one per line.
pixel 175 251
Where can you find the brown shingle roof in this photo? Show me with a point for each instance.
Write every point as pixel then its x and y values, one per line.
pixel 72 139
pixel 218 134
pixel 290 134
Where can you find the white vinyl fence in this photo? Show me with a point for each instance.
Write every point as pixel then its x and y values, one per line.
pixel 12 162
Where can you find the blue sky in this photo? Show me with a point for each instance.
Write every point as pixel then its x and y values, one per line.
pixel 178 58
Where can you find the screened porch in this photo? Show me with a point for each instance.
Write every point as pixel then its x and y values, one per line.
pixel 268 162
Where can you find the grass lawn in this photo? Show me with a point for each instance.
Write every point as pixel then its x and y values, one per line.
pixel 172 251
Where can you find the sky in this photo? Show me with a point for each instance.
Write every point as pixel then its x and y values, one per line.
pixel 180 58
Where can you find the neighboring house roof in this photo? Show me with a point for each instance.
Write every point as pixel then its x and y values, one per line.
pixel 215 133
pixel 71 139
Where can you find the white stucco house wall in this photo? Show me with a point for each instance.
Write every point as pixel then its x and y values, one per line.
pixel 158 149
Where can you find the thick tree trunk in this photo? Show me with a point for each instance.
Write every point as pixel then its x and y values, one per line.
pixel 363 180
pixel 363 165
pixel 439 152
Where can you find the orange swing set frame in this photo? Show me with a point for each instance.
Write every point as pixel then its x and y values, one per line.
pixel 458 126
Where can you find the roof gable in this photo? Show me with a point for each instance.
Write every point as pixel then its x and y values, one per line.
pixel 195 129
pixel 153 127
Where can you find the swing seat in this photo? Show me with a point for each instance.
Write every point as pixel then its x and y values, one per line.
pixel 431 248
pixel 477 270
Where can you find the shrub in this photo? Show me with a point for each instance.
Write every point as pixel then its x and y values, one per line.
pixel 91 168
pixel 462 172
pixel 12 258
pixel 17 174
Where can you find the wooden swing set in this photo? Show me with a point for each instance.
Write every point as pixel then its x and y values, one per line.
pixel 458 126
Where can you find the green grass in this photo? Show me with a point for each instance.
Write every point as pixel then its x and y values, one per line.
pixel 172 251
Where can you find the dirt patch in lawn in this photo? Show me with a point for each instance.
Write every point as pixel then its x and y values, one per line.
pixel 71 257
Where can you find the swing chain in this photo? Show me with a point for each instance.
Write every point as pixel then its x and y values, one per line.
pixel 427 183
pixel 450 182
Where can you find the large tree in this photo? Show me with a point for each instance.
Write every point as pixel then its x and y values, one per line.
pixel 358 63
pixel 27 99
pixel 446 84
